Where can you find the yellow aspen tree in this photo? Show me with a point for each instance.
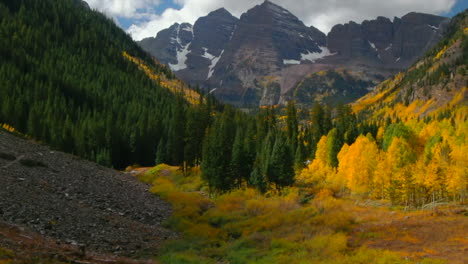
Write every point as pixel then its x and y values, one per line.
pixel 318 170
pixel 400 156
pixel 437 170
pixel 338 182
pixel 359 165
pixel 457 174
pixel 382 177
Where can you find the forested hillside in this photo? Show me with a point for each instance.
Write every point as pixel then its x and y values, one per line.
pixel 418 154
pixel 403 143
pixel 64 80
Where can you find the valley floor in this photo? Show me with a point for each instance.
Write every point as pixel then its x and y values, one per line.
pixel 242 226
pixel 441 233
pixel 246 227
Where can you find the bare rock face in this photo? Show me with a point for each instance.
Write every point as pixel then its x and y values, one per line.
pixel 416 33
pixel 259 58
pixel 267 39
pixel 192 52
pixel 168 43
pixel 395 44
pixel 211 35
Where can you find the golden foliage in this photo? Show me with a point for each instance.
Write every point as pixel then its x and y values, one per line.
pixel 7 127
pixel 174 85
pixel 318 171
pixel 440 53
pixel 357 165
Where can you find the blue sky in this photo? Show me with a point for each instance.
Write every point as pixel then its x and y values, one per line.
pixel 144 18
pixel 125 22
pixel 457 8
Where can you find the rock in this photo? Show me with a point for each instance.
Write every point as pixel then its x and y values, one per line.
pixel 395 43
pixel 261 58
pixel 168 42
pixel 73 206
pixel 265 37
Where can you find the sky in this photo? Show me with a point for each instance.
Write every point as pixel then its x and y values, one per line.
pixel 145 18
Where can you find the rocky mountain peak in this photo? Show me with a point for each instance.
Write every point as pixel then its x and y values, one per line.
pixel 394 44
pixel 421 18
pixel 262 55
pixel 269 12
pixel 221 12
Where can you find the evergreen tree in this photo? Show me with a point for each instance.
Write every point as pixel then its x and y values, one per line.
pixel 160 152
pixel 280 165
pixel 292 124
pixel 217 153
pixel 175 141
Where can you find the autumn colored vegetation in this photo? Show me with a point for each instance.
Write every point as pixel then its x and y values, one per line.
pixel 269 186
pixel 296 225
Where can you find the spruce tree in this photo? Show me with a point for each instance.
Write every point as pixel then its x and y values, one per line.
pixel 280 165
pixel 292 124
pixel 160 152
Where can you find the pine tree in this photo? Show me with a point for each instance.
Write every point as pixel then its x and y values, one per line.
pixel 259 176
pixel 160 152
pixel 292 124
pixel 217 153
pixel 280 165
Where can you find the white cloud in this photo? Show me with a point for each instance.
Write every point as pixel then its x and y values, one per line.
pixel 322 14
pixel 125 8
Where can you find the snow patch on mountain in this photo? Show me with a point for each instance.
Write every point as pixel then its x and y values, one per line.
pixel 214 60
pixel 313 56
pixel 207 55
pixel 286 62
pixel 182 51
pixel 181 59
pixel 188 28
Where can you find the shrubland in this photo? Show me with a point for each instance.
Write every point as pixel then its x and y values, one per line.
pixel 300 224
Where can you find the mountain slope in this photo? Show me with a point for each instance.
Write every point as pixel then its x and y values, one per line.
pixel 268 38
pixel 65 81
pixel 394 44
pixel 169 42
pixel 76 202
pixel 193 51
pixel 437 82
pixel 271 52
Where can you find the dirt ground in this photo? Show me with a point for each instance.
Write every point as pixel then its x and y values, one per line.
pixel 26 246
pixel 439 234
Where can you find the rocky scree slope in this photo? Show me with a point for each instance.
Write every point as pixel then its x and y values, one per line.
pixel 77 202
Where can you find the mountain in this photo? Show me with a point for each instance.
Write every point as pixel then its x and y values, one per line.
pixel 73 79
pixel 394 44
pixel 168 43
pixel 193 51
pixel 435 84
pixel 271 52
pixel 267 38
